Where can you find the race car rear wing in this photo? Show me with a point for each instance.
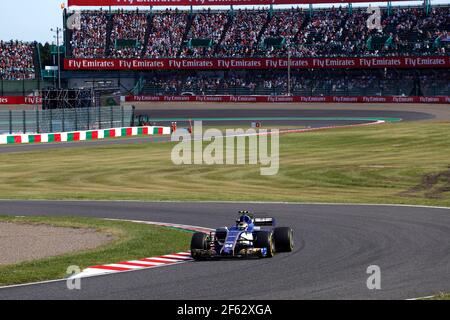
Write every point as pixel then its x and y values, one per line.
pixel 264 222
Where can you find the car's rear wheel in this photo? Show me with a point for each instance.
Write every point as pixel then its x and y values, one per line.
pixel 284 239
pixel 199 242
pixel 264 240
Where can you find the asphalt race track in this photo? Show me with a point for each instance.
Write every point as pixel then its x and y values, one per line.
pixel 334 246
pixel 232 116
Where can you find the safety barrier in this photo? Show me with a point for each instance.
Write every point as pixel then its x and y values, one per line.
pixel 15 121
pixel 288 99
pixel 11 100
pixel 266 99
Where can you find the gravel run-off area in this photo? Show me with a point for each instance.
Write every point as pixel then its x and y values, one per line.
pixel 26 242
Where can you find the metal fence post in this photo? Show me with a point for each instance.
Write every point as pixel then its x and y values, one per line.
pixel 10 122
pixel 38 130
pixel 112 117
pixel 51 120
pixel 88 118
pixel 99 117
pixel 122 115
pixel 24 116
pixel 63 120
pixel 76 119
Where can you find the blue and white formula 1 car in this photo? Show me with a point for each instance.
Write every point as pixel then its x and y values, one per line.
pixel 245 239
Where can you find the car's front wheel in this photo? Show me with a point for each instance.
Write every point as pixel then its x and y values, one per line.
pixel 264 241
pixel 284 239
pixel 199 241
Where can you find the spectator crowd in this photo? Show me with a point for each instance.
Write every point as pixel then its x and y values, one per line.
pixel 333 32
pixel 90 40
pixel 128 26
pixel 241 38
pixel 168 29
pixel 316 83
pixel 285 25
pixel 205 26
pixel 17 60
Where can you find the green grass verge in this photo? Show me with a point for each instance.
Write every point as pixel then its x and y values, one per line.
pixel 441 296
pixel 132 241
pixel 406 163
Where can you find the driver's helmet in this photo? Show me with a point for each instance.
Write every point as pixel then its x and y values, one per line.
pixel 243 226
pixel 245 217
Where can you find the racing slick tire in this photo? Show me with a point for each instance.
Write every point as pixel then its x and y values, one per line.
pixel 284 239
pixel 264 239
pixel 199 242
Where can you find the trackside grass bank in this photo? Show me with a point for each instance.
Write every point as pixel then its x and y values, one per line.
pixel 132 241
pixel 404 163
pixel 441 296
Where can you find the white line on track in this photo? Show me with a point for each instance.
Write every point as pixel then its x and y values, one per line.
pixel 177 257
pixel 421 298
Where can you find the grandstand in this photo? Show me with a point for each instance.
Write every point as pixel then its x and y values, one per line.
pixel 260 33
pixel 90 40
pixel 303 83
pixel 17 60
pixel 177 52
pixel 168 30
